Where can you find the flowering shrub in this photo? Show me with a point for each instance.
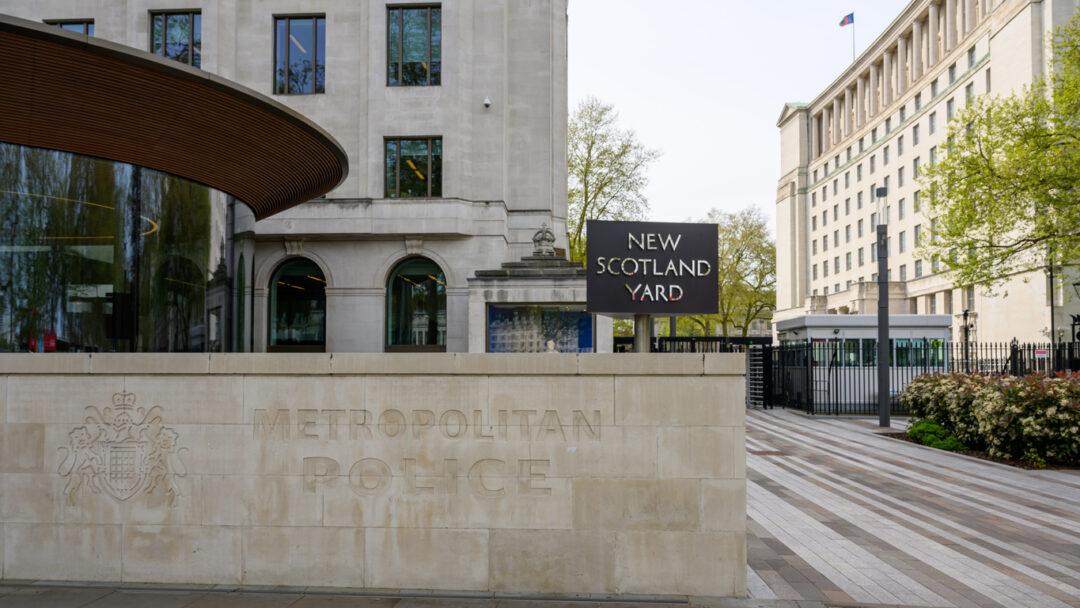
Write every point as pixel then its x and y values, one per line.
pixel 1034 417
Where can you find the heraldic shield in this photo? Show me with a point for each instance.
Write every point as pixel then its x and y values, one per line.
pixel 124 451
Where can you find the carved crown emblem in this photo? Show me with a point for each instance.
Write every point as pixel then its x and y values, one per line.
pixel 544 241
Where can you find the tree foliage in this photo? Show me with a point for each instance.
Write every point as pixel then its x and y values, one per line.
pixel 607 167
pixel 1005 197
pixel 746 271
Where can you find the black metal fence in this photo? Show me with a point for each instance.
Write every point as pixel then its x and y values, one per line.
pixel 693 344
pixel 839 377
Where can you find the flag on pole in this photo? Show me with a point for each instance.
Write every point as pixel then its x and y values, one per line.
pixel 848 19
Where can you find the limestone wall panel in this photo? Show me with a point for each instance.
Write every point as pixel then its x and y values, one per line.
pixel 70 552
pixel 303 556
pixel 182 554
pixel 404 558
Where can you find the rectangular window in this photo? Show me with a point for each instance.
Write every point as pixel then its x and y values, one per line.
pixel 903 272
pixel 861 139
pixel 847 261
pixel 915 135
pixel 79 26
pixel 835 212
pixel 813 223
pixel 849 153
pixel 847 206
pixel 299 55
pixel 858 173
pixel 933 89
pixel 933 122
pixel 933 155
pixel 948 301
pixel 836 238
pixel 815 175
pixel 847 233
pixel 950 108
pixel 900 146
pixel 918 235
pixel 836 161
pixel 872 164
pixel 903 113
pixel 824 193
pixel 903 241
pixel 915 167
pixel 414 167
pixel 858 200
pixel 835 186
pixel 918 101
pixel 813 199
pixel 900 177
pixel 952 73
pixel 860 256
pixel 885 156
pixel 824 218
pixel 873 134
pixel 970 292
pixel 414 46
pixel 969 93
pixel 901 208
pixel 177 36
pixel 836 269
pixel 915 202
pixel 815 271
pixel 847 179
pixel 860 228
pixel 825 243
pixel 987 80
pixel 873 219
pixel 873 192
pixel 825 272
pixel 813 247
pixel 888 125
pixel 971 57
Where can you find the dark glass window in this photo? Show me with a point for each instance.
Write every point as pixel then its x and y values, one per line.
pixel 298 307
pixel 299 55
pixel 416 306
pixel 414 45
pixel 413 167
pixel 79 26
pixel 177 36
pixel 98 255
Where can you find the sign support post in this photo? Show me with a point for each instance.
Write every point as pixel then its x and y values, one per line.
pixel 642 327
pixel 884 392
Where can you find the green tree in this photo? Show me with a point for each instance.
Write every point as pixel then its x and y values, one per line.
pixel 1005 197
pixel 746 271
pixel 607 167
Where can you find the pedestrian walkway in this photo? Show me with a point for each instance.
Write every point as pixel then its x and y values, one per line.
pixel 838 515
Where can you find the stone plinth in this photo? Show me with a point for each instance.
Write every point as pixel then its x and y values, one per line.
pixel 565 475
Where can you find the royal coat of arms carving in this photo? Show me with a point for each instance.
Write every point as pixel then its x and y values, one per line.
pixel 122 451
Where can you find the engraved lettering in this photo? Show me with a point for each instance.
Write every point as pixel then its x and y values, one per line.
pixel 550 425
pixel 333 417
pixel 265 428
pixel 319 469
pixel 305 424
pixel 392 423
pixel 422 420
pixel 479 426
pixel 369 476
pixel 411 483
pixel 477 478
pixel 453 423
pixel 358 423
pixel 524 420
pixel 582 424
pixel 529 474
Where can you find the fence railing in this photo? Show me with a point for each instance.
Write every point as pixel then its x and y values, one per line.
pixel 693 344
pixel 837 377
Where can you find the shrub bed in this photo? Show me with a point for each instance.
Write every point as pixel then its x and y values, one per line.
pixel 1032 419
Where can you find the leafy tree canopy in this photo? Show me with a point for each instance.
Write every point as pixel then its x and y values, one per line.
pixel 1005 197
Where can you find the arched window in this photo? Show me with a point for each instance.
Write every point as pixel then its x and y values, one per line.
pixel 416 306
pixel 298 307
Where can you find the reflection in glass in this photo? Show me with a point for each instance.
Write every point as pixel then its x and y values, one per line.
pixel 300 55
pixel 516 328
pixel 414 46
pixel 413 168
pixel 99 255
pixel 79 27
pixel 416 305
pixel 298 307
pixel 177 36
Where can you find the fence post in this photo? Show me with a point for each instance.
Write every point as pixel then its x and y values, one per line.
pixel 1014 357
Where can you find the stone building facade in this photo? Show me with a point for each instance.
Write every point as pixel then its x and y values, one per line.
pixel 454 119
pixel 874 126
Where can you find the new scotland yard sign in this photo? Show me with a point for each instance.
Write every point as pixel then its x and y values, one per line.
pixel 651 268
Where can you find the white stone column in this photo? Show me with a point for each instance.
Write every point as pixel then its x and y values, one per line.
pixel 933 32
pixel 847 112
pixel 837 115
pixel 950 25
pixel 457 319
pixel 887 81
pixel 969 16
pixel 815 137
pixel 860 109
pixel 916 50
pixel 873 89
pixel 901 66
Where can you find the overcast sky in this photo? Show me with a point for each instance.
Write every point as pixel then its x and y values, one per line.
pixel 704 81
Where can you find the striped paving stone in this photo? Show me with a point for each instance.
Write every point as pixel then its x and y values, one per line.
pixel 839 514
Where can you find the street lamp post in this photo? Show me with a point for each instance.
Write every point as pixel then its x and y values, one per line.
pixel 883 312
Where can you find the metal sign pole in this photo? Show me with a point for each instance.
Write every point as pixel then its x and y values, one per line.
pixel 883 315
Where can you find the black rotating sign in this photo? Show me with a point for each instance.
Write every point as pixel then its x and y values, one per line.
pixel 651 268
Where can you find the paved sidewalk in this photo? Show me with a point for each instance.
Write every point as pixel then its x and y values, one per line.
pixel 838 515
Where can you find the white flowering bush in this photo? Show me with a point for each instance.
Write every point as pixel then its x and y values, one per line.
pixel 1032 418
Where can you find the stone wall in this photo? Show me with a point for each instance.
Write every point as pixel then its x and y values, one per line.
pixel 489 474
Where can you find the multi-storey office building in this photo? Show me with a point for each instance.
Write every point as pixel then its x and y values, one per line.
pixel 453 116
pixel 877 125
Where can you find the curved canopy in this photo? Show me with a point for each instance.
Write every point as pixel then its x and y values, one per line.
pixel 76 93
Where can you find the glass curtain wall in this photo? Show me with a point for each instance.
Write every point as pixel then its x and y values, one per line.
pixel 99 255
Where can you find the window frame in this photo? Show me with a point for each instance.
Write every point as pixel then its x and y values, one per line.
pixel 191 33
pixel 397 172
pixel 62 22
pixel 401 49
pixel 287 17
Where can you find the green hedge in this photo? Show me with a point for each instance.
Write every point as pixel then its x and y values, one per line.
pixel 1009 417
